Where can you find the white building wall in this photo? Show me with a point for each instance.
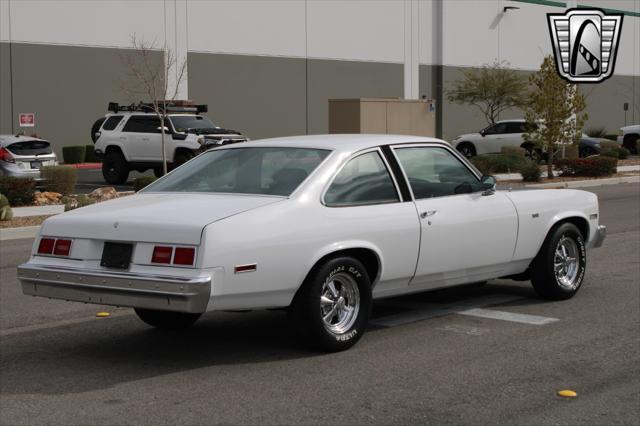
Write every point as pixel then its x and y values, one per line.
pixel 475 31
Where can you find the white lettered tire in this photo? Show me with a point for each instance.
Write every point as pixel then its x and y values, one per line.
pixel 331 309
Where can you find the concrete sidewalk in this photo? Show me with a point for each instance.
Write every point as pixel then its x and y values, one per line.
pixel 37 210
pixel 518 176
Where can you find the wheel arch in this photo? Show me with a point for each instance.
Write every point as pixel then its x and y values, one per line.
pixel 117 148
pixel 365 253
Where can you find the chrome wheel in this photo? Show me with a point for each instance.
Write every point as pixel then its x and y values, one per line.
pixel 566 263
pixel 466 150
pixel 339 303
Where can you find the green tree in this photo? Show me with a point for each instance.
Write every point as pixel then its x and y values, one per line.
pixel 492 89
pixel 557 107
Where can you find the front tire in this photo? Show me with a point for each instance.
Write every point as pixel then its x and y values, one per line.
pixel 115 169
pixel 167 320
pixel 630 142
pixel 558 271
pixel 331 310
pixel 182 157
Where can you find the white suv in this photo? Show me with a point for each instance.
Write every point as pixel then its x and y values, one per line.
pixel 129 138
pixel 628 137
pixel 490 140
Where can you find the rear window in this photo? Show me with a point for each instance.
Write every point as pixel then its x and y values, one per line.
pixel 265 171
pixel 112 122
pixel 30 148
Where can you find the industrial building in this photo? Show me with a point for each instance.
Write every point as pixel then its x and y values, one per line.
pixel 268 68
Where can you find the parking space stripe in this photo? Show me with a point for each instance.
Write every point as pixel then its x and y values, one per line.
pixel 508 316
pixel 422 311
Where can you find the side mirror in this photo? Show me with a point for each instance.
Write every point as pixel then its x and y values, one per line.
pixel 482 133
pixel 166 129
pixel 489 183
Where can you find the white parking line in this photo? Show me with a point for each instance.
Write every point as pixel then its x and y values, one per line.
pixel 507 316
pixel 423 311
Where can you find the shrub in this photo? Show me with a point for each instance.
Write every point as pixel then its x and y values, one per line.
pixel 141 182
pixel 612 153
pixel 499 163
pixel 60 179
pixel 592 167
pixel 514 151
pixel 73 154
pixel 90 154
pixel 609 145
pixel 5 210
pixel 596 132
pixel 530 171
pixel 82 200
pixel 19 191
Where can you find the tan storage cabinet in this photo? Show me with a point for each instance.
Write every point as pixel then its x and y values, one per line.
pixel 386 116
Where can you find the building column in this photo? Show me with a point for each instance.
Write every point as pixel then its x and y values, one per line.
pixel 411 49
pixel 176 43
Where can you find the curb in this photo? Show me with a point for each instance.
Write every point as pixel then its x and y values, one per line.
pixel 37 210
pixel 86 166
pixel 7 234
pixel 585 183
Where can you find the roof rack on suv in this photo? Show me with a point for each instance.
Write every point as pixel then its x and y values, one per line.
pixel 166 106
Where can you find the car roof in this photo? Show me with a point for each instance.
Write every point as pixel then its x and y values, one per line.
pixel 337 142
pixel 512 120
pixel 6 140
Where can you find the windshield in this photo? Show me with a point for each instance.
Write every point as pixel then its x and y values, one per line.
pixel 264 171
pixel 186 123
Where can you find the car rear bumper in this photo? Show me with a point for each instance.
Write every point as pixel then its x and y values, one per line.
pixel 601 234
pixel 168 293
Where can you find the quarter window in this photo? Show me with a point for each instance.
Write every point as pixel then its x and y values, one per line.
pixel 435 172
pixel 112 122
pixel 364 180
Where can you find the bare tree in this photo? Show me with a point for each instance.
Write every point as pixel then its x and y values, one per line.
pixel 149 78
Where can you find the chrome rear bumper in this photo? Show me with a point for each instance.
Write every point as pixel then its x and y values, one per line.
pixel 601 234
pixel 169 293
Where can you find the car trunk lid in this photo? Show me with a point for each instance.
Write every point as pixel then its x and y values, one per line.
pixel 177 218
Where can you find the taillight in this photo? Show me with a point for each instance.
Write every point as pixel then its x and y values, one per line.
pixel 170 255
pixel 6 156
pixel 62 248
pixel 46 246
pixel 162 254
pixel 184 256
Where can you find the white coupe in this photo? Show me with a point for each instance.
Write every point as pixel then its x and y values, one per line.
pixel 319 225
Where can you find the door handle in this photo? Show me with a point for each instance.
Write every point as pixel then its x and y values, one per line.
pixel 145 139
pixel 122 138
pixel 428 213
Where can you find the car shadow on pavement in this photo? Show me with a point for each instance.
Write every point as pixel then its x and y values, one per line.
pixel 107 352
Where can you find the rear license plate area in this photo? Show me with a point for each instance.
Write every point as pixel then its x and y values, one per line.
pixel 116 255
pixel 36 164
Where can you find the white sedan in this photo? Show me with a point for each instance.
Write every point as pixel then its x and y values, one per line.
pixel 320 225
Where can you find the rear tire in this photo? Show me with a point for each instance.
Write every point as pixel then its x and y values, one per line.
pixel 182 157
pixel 167 320
pixel 467 149
pixel 115 168
pixel 331 310
pixel 532 153
pixel 558 270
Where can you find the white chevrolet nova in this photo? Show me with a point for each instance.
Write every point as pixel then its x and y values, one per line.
pixel 319 225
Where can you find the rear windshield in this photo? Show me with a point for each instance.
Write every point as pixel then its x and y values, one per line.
pixel 30 148
pixel 265 171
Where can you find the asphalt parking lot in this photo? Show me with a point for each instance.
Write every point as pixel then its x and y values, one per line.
pixel 473 355
pixel 90 179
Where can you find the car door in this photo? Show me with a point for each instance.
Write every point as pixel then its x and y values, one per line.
pixel 493 138
pixel 364 208
pixel 468 233
pixel 144 139
pixel 514 134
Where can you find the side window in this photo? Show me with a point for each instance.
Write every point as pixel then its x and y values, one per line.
pixel 111 122
pixel 142 124
pixel 515 128
pixel 364 180
pixel 435 172
pixel 499 129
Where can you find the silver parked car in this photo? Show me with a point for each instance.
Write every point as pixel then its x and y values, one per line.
pixel 24 156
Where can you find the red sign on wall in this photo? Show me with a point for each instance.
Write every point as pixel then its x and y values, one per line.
pixel 27 119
